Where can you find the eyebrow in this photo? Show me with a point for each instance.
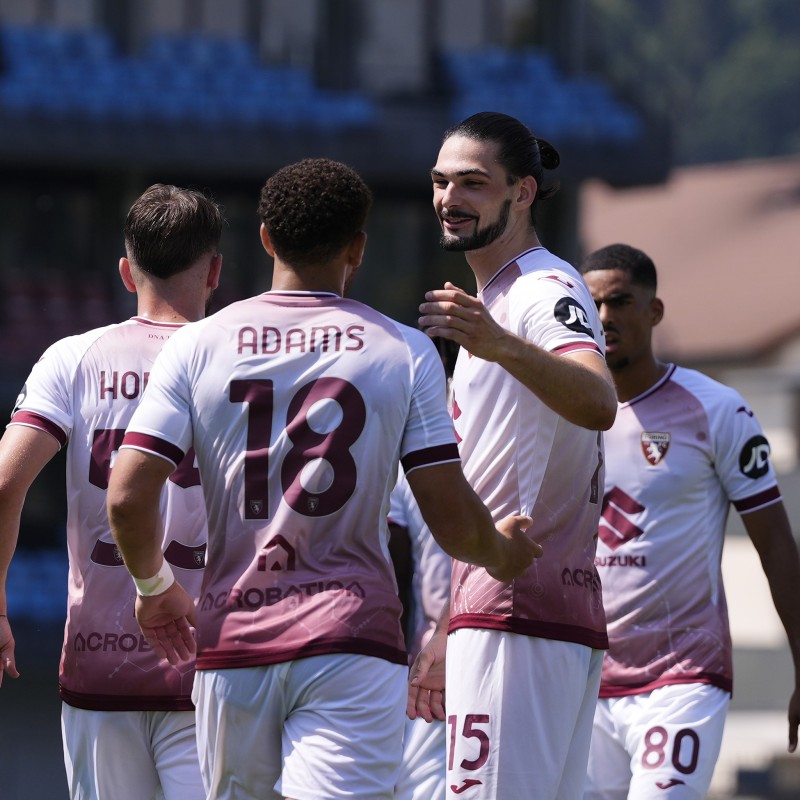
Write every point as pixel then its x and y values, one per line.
pixel 460 173
pixel 613 296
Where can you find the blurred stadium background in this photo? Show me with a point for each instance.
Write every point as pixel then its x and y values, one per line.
pixel 101 98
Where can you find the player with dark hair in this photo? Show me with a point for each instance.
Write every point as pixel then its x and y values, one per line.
pixel 299 403
pixel 531 393
pixel 127 717
pixel 682 450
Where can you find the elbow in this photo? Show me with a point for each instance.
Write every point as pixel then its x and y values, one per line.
pixel 606 416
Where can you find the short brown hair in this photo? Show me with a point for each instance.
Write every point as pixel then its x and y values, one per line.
pixel 169 228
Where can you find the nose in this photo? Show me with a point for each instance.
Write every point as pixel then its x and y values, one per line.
pixel 449 196
pixel 603 312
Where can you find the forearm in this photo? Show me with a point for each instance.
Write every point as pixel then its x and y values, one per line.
pixel 134 510
pixel 578 387
pixel 138 532
pixel 782 567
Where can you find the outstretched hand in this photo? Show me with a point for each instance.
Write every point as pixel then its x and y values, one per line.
pixel 426 680
pixel 166 621
pixel 519 550
pixel 8 664
pixel 453 314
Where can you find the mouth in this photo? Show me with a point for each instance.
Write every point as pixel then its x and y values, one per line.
pixel 454 223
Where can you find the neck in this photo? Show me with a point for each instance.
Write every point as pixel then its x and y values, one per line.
pixel 633 380
pixel 166 308
pixel 486 261
pixel 325 278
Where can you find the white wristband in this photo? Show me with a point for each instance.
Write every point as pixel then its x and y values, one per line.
pixel 158 584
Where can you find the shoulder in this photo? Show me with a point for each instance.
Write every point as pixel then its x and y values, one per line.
pixel 710 392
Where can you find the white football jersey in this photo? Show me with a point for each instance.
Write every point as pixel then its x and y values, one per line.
pixel 83 392
pixel 522 457
pixel 299 406
pixel 677 457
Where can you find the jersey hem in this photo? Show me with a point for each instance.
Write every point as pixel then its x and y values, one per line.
pixel 231 659
pixel 113 702
pixel 597 640
pixel 720 681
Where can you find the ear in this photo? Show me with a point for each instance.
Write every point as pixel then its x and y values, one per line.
pixel 656 310
pixel 214 270
pixel 526 192
pixel 355 252
pixel 266 241
pixel 126 274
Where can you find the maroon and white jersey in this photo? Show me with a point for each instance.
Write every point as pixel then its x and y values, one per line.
pixel 677 457
pixel 521 457
pixel 83 392
pixel 299 406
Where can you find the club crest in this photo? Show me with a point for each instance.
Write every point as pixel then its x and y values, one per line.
pixel 655 445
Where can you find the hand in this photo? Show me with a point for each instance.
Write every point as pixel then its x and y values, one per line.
pixel 518 551
pixel 8 664
pixel 166 621
pixel 454 314
pixel 426 680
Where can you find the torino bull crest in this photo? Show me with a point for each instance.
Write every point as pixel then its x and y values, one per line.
pixel 655 445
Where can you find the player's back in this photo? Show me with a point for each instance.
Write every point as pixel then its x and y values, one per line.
pixel 302 404
pixel 83 391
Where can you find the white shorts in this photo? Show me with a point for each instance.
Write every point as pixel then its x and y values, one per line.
pixel 662 744
pixel 130 755
pixel 519 714
pixel 320 727
pixel 422 773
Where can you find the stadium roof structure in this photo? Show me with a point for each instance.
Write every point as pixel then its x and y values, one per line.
pixel 725 239
pixel 71 97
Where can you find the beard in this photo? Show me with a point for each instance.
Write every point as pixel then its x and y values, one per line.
pixel 482 236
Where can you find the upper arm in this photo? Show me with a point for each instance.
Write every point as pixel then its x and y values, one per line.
pixel 137 480
pixel 24 451
pixel 770 530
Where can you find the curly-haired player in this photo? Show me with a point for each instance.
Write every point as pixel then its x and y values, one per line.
pixel 299 403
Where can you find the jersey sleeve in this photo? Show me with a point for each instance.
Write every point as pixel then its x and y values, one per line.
pixel 162 423
pixel 429 437
pixel 45 401
pixel 558 315
pixel 741 453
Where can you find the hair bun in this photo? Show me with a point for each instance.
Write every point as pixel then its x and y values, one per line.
pixel 549 155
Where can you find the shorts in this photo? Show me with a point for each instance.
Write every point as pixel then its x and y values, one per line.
pixel 662 744
pixel 422 773
pixel 519 715
pixel 130 755
pixel 321 727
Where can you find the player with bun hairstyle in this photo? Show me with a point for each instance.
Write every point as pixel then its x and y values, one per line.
pixel 531 393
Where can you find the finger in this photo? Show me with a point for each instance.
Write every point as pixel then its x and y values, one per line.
pixel 411 703
pixel 422 707
pixel 452 287
pixel 437 704
pixel 155 643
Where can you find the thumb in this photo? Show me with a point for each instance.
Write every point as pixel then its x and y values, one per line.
pixel 453 287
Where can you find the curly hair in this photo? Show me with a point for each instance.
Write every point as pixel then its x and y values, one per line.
pixel 168 229
pixel 312 210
